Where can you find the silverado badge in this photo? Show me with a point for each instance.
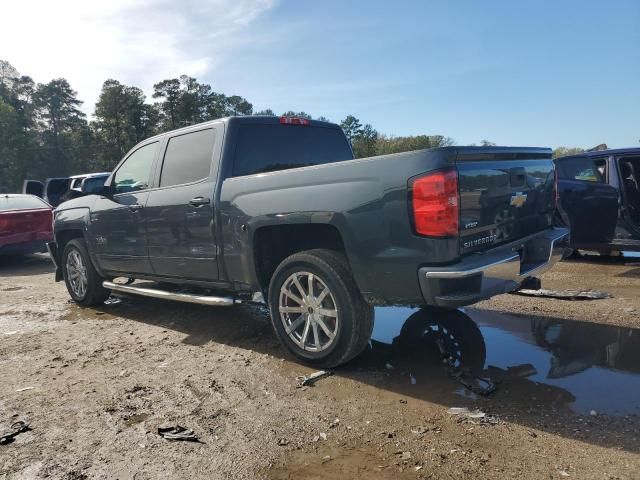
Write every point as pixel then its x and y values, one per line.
pixel 518 199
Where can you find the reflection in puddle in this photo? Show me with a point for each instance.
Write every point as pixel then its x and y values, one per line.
pixel 539 361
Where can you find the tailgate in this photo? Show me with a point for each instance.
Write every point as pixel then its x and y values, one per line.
pixel 505 194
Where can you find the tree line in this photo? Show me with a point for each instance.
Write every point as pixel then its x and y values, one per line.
pixel 43 132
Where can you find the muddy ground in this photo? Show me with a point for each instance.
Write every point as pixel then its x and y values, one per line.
pixel 95 385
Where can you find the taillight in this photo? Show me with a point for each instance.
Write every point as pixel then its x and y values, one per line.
pixel 434 201
pixel 294 121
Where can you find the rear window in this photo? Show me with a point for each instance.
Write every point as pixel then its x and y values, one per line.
pixel 188 158
pixel 267 148
pixel 21 203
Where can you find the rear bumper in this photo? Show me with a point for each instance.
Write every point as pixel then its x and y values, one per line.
pixel 501 270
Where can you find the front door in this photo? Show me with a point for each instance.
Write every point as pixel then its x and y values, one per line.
pixel 117 227
pixel 588 202
pixel 180 213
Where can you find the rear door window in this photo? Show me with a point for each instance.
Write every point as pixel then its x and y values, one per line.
pixel 267 148
pixel 585 169
pixel 187 158
pixel 21 203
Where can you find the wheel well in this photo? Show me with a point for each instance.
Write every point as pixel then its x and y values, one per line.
pixel 65 236
pixel 273 244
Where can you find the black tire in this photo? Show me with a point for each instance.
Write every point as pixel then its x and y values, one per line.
pixel 94 293
pixel 354 320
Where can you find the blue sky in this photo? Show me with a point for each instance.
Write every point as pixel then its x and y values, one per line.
pixel 545 73
pixel 517 73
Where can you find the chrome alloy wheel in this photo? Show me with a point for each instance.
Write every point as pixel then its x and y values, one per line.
pixel 77 273
pixel 308 312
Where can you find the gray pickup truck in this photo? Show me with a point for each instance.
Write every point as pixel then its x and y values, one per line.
pixel 245 208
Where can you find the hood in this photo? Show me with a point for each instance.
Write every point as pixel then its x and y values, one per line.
pixel 81 202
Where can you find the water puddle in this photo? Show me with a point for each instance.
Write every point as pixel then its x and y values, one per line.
pixel 534 361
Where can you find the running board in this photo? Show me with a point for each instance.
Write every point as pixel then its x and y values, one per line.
pixel 166 295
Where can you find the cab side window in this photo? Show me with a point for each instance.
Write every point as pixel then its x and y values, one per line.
pixel 135 172
pixel 585 169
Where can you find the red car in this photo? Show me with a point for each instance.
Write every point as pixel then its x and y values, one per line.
pixel 25 224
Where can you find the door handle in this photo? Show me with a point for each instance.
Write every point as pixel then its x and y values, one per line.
pixel 199 201
pixel 135 207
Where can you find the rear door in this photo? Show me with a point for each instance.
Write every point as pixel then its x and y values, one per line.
pixel 180 213
pixel 587 201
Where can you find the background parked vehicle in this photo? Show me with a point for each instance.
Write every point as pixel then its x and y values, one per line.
pixel 600 199
pixel 25 224
pixel 278 207
pixel 60 189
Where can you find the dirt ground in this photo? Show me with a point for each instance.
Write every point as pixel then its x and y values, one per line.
pixel 95 385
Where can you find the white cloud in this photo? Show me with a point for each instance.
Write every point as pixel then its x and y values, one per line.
pixel 137 42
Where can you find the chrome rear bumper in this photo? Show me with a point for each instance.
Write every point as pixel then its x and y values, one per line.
pixel 495 271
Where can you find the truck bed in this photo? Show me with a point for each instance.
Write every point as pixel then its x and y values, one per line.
pixel 367 200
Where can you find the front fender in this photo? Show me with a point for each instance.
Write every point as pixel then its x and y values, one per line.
pixel 68 224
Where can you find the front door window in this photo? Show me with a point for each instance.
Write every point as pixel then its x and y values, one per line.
pixel 135 173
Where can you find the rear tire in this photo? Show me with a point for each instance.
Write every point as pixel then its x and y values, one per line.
pixel 81 278
pixel 317 309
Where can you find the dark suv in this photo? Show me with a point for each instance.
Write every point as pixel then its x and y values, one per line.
pixel 600 199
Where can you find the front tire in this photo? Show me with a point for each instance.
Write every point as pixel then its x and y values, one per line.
pixel 317 309
pixel 81 278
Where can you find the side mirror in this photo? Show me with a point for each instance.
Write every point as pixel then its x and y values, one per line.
pixel 95 186
pixel 106 191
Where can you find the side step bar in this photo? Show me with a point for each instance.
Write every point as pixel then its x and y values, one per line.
pixel 166 295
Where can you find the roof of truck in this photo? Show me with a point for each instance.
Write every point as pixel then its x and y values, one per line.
pixel 245 119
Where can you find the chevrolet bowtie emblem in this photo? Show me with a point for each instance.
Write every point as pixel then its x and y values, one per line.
pixel 518 199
